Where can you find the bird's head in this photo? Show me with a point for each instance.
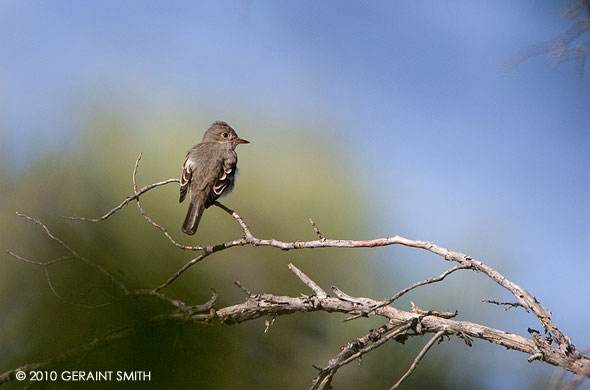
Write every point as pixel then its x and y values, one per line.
pixel 222 132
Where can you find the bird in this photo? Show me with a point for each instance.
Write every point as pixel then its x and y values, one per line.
pixel 209 171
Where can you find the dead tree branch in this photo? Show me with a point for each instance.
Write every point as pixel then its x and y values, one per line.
pixel 399 323
pixel 509 305
pixel 553 348
pixel 355 350
pixel 73 255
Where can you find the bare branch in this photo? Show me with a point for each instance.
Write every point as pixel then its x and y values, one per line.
pixel 317 290
pixel 47 263
pixel 399 321
pixel 434 279
pixel 509 305
pixel 430 343
pixel 555 348
pixel 354 350
pixel 316 230
pixel 124 202
pixel 442 314
pixel 74 255
pixel 150 220
pixel 244 289
pixel 266 304
pixel 184 308
pixel 49 234
pixel 522 296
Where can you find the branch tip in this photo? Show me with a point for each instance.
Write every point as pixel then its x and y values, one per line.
pixel 317 290
pixel 317 231
pixel 244 289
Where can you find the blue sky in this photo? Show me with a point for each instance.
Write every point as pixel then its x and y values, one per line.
pixel 415 92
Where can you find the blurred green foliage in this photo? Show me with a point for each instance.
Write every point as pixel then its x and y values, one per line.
pixel 285 177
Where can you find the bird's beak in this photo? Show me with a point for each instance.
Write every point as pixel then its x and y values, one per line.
pixel 241 141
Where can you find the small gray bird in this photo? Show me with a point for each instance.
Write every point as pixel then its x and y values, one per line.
pixel 209 171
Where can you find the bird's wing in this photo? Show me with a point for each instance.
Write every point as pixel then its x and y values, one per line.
pixel 185 179
pixel 225 178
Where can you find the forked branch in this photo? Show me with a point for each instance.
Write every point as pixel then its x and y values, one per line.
pixel 553 348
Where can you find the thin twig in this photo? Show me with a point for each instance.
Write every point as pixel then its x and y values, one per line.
pixel 74 255
pixel 318 291
pixel 183 307
pixel 442 314
pixel 45 266
pixel 316 230
pixel 124 202
pixel 357 348
pixel 150 220
pixel 49 234
pixel 208 250
pixel 41 263
pixel 416 361
pixel 434 279
pixel 509 305
pixel 181 271
pixel 397 332
pixel 244 289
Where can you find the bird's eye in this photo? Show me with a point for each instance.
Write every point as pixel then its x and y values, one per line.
pixel 224 135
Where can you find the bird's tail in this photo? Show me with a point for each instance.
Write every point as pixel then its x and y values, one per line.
pixel 193 216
